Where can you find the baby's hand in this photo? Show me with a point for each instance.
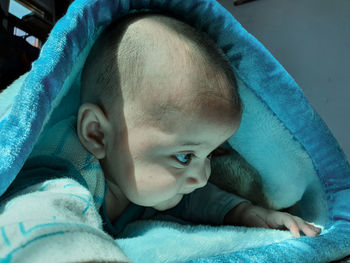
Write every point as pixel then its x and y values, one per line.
pixel 246 214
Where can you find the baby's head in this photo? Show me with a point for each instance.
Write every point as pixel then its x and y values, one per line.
pixel 157 98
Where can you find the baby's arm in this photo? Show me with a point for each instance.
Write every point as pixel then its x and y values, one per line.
pixel 246 214
pixel 211 205
pixel 206 205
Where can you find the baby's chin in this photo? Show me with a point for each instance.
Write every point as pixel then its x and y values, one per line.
pixel 170 203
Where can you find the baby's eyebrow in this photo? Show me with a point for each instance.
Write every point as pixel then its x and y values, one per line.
pixel 189 143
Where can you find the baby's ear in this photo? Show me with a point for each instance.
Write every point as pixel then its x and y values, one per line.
pixel 92 128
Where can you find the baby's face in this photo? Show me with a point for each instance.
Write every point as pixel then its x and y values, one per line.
pixel 155 164
pixel 156 161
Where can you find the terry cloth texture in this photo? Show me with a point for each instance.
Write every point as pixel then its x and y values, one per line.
pixel 280 135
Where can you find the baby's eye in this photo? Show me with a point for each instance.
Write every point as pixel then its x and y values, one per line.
pixel 184 158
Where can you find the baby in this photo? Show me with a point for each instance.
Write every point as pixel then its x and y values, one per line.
pixel 157 99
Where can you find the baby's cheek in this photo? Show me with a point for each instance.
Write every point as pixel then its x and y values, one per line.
pixel 152 181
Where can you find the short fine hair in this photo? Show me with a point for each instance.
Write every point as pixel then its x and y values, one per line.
pixel 100 83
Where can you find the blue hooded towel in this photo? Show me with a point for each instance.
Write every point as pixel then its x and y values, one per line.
pixel 300 162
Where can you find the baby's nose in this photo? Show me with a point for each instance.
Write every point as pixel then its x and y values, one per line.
pixel 200 177
pixel 196 181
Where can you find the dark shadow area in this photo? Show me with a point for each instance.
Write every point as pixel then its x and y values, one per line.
pixel 16 57
pixel 16 54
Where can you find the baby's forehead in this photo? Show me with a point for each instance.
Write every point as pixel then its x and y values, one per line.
pixel 196 108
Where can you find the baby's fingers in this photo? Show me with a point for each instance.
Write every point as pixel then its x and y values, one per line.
pixel 293 227
pixel 307 228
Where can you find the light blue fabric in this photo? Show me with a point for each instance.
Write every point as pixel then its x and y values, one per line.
pixel 54 81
